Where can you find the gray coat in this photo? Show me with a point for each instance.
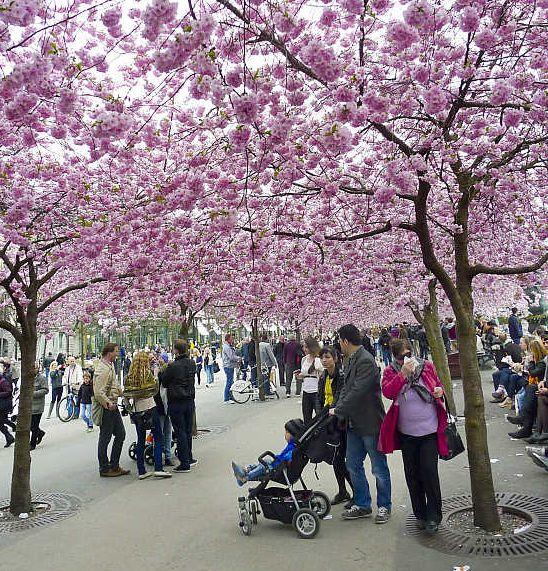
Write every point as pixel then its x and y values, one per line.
pixel 360 399
pixel 40 392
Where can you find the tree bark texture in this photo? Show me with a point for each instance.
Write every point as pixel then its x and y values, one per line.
pixel 481 478
pixel 20 501
pixel 255 335
pixel 431 322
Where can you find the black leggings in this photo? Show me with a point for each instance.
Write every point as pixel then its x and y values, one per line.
pixel 310 404
pixel 339 466
pixel 35 429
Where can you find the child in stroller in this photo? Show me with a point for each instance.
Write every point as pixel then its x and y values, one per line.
pixel 316 442
pixel 255 472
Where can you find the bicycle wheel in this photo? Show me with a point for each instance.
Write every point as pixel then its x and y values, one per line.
pixel 65 409
pixel 241 392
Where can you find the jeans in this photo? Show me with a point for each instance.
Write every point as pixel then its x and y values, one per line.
pixel 244 367
pixel 253 374
pixel 423 351
pixel 86 414
pixel 501 377
pixel 357 448
pixel 180 414
pixel 209 374
pixel 198 373
pixel 4 426
pixel 111 425
pixel 56 394
pixel 166 434
pixel 310 404
pixel 140 448
pixel 520 397
pixel 256 471
pixel 386 355
pixel 420 463
pixel 229 372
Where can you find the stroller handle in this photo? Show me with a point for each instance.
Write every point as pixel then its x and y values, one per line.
pixel 265 455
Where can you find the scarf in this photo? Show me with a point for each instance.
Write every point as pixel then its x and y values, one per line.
pixel 413 380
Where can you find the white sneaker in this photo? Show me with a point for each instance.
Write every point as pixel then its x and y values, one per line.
pixel 229 402
pixel 89 429
pixel 145 475
pixel 161 474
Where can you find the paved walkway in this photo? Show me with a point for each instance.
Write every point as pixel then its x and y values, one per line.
pixel 190 521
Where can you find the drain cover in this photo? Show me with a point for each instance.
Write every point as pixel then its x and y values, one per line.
pixel 531 541
pixel 56 506
pixel 205 431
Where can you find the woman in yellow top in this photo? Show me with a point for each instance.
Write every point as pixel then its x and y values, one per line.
pixel 329 387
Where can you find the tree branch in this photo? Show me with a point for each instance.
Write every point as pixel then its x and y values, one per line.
pixel 509 271
pixel 11 329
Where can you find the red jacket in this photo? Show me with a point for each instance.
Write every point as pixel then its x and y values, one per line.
pixel 392 384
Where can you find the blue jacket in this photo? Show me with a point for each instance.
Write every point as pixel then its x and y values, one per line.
pixel 285 455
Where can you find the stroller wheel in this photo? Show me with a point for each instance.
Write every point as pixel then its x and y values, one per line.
pixel 246 525
pixel 132 451
pixel 307 523
pixel 254 511
pixel 320 504
pixel 149 455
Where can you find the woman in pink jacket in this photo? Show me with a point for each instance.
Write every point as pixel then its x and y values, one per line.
pixel 416 424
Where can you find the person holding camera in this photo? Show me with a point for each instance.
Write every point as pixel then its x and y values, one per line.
pixel 416 423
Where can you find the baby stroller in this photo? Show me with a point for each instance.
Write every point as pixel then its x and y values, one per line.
pixel 149 449
pixel 303 509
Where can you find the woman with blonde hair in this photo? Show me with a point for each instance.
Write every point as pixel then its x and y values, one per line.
pixel 140 388
pixel 534 371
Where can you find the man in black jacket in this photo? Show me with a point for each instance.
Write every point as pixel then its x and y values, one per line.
pixel 178 378
pixel 361 405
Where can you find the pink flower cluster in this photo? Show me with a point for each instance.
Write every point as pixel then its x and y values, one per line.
pixel 435 100
pixel 322 59
pixel 111 20
pixel 19 12
pixel 402 35
pixel 158 15
pixel 110 125
pixel 246 108
pixel 469 19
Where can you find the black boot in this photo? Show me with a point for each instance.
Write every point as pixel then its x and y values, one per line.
pixel 9 440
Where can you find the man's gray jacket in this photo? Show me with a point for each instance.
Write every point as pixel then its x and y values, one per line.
pixel 360 399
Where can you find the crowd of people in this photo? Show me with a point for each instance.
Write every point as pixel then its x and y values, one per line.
pixel 347 373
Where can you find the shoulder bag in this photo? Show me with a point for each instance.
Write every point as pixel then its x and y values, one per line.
pixel 454 441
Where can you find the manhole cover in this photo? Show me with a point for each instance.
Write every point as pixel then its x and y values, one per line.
pixel 55 505
pixel 205 431
pixel 531 541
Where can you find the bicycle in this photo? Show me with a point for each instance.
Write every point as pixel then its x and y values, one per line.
pixel 67 408
pixel 242 391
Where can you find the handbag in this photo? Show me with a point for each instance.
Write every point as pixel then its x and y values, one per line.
pixel 142 419
pixel 216 367
pixel 455 445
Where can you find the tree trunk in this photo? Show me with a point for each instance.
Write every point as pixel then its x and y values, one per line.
pixel 255 335
pixel 183 330
pixel 431 322
pixel 20 501
pixel 481 479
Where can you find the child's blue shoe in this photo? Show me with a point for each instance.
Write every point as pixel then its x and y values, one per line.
pixel 239 474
